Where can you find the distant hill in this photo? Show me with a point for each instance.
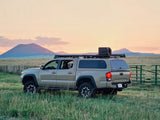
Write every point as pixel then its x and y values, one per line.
pixel 36 51
pixel 27 51
pixel 129 53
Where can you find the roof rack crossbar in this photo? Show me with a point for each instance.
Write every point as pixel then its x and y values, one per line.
pixel 118 55
pixel 89 56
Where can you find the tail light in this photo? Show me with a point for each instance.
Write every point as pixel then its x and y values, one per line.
pixel 108 76
pixel 130 74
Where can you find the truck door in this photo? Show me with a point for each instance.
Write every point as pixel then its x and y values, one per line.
pixel 66 74
pixel 47 75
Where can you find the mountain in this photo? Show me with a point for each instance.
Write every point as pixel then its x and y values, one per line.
pixel 130 53
pixel 27 51
pixel 36 51
pixel 122 51
pixel 127 53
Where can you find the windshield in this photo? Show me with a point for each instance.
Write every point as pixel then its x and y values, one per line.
pixel 119 65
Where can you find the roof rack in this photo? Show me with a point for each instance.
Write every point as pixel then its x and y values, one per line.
pixel 89 56
pixel 104 52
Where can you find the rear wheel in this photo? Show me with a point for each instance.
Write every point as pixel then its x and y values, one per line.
pixel 30 87
pixel 86 90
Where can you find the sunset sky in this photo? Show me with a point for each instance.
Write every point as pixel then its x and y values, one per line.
pixel 80 26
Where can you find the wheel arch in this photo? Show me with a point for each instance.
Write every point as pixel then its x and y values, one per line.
pixel 29 77
pixel 86 78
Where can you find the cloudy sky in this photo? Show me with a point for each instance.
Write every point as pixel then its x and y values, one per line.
pixel 80 26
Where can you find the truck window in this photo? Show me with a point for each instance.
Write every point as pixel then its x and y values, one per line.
pixel 52 64
pixel 94 64
pixel 66 64
pixel 119 65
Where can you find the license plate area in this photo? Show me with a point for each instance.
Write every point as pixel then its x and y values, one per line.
pixel 119 86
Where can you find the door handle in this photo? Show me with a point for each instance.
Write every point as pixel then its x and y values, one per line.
pixel 121 74
pixel 53 72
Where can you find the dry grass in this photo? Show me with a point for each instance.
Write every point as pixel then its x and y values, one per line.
pixel 29 62
pixel 132 60
pixel 143 60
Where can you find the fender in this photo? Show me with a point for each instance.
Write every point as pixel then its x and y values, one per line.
pixel 86 77
pixel 30 75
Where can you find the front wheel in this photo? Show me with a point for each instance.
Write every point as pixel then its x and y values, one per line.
pixel 30 87
pixel 86 90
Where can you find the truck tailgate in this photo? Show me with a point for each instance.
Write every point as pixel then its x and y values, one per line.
pixel 120 76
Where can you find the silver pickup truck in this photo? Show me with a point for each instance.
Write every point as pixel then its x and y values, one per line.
pixel 89 74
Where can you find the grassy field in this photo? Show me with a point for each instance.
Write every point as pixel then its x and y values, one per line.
pixel 143 60
pixel 28 62
pixel 134 103
pixel 136 60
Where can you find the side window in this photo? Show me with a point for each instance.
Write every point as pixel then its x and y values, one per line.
pixel 66 64
pixel 52 65
pixel 94 64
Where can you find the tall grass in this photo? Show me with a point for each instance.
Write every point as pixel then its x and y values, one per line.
pixel 137 102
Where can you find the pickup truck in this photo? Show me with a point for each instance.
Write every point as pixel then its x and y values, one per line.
pixel 86 73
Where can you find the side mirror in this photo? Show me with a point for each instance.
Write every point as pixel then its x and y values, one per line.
pixel 42 67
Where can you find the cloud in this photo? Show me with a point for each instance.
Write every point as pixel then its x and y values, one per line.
pixel 49 41
pixel 53 41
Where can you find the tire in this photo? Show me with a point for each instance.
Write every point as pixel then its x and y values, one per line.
pixel 86 90
pixel 30 87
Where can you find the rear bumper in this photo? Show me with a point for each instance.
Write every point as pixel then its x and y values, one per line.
pixel 118 85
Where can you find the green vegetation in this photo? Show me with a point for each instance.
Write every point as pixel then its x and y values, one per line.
pixel 134 103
